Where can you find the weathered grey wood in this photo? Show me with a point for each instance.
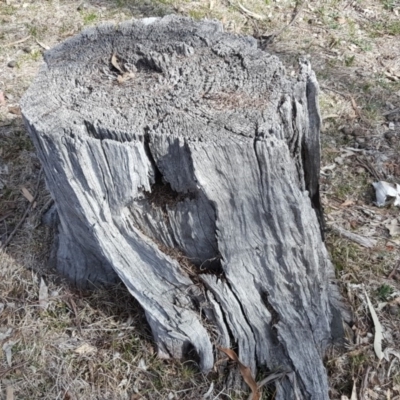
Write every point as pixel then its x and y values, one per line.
pixel 195 182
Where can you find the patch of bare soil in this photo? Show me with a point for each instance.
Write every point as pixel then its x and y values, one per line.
pixel 57 343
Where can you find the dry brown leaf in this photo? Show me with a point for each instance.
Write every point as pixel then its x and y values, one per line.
pixel 347 203
pixel 125 77
pixel 271 378
pixel 9 393
pixel 393 227
pixel 244 371
pixel 2 99
pixel 14 110
pixel 354 392
pixel 67 396
pixel 378 329
pixel 7 349
pixel 391 351
pixel 372 395
pixel 115 64
pixel 355 107
pixel 391 76
pixel 85 348
pixel 43 295
pixel 27 194
pixel 395 301
pixel 251 13
pixel 42 45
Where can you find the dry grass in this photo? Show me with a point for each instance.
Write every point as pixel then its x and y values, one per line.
pixel 97 345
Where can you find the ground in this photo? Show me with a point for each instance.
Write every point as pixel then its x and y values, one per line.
pixel 60 343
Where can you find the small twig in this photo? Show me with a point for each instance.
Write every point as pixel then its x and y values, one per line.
pixel 42 45
pixel 271 378
pixel 43 211
pixel 361 240
pixel 346 96
pixel 75 310
pixel 28 208
pixel 364 383
pixel 14 367
pixel 4 217
pixel 17 41
pixel 245 11
pixel 391 275
pixel 367 165
pixel 250 13
pixel 296 11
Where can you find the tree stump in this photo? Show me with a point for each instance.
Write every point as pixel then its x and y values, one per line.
pixel 185 161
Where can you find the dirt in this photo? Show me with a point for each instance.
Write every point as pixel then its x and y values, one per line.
pixel 70 344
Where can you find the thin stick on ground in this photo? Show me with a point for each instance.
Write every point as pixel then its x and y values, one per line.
pixel 367 165
pixel 296 11
pixel 27 210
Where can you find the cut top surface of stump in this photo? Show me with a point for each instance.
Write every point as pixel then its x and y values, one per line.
pixel 191 82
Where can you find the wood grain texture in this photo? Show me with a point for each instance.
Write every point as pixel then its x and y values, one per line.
pixel 195 181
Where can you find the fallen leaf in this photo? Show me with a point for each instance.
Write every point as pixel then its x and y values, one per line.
pixel 396 301
pixel 371 395
pixel 142 364
pixel 5 335
pixel 353 223
pixel 355 107
pixel 14 110
pixel 270 378
pixel 85 349
pixel 7 347
pixel 2 99
pixel 393 227
pixel 67 396
pixel 394 352
pixel 329 167
pixel 43 295
pixel 9 393
pixel 378 328
pixel 244 371
pixel 251 13
pixel 354 392
pixel 44 46
pixel 347 203
pixel 125 77
pixel 27 194
pixel 339 160
pixel 209 392
pixel 115 64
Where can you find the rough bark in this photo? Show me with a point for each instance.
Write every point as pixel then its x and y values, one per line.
pixel 195 181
